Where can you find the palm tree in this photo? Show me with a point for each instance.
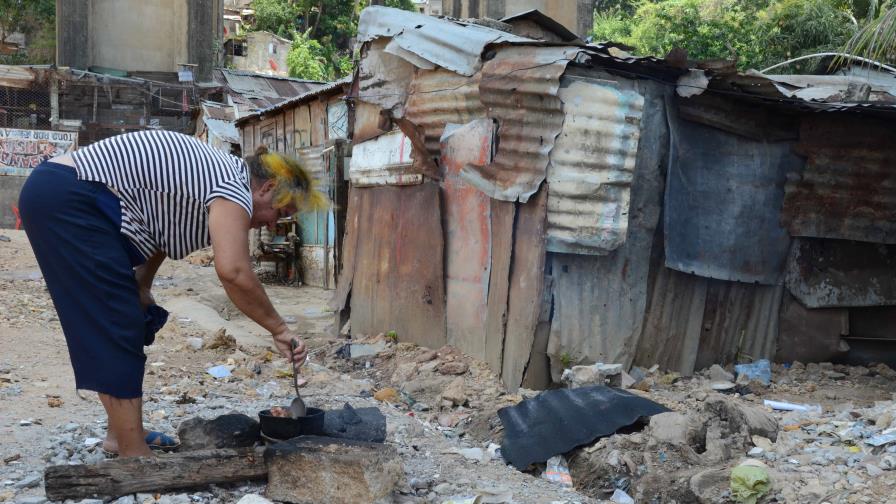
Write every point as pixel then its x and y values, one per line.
pixel 877 39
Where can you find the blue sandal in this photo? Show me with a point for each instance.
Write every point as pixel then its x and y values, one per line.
pixel 161 441
pixel 156 441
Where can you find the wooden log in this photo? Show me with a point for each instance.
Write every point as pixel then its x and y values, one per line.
pixel 114 478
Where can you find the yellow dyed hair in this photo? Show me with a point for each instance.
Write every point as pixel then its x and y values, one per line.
pixel 293 183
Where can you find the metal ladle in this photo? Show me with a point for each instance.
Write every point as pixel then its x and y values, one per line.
pixel 297 407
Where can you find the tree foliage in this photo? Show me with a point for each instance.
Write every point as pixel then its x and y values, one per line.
pixel 36 20
pixel 321 31
pixel 877 39
pixel 757 33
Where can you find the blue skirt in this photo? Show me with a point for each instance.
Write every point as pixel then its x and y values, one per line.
pixel 74 227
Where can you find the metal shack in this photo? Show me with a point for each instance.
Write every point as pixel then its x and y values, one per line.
pixel 539 205
pixel 312 127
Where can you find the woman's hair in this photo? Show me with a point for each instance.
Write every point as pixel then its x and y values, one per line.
pixel 293 184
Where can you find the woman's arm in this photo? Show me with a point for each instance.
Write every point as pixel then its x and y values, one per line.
pixel 145 273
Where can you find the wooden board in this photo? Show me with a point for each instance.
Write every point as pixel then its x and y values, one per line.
pixel 502 218
pixel 318 122
pixel 526 288
pixel 398 282
pixel 349 251
pixel 113 478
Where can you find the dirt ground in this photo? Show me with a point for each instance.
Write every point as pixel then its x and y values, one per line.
pixel 441 408
pixel 35 371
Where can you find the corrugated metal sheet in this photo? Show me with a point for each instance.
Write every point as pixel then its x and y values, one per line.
pixel 224 130
pixel 383 78
pixel 440 97
pixel 600 301
pixel 398 278
pixel 467 236
pixel 313 160
pixel 723 205
pixel 740 321
pixel 848 187
pixel 592 165
pixel 674 321
pixel 331 89
pixel 448 44
pixel 519 88
pixel 385 160
pixel 838 273
pixel 218 111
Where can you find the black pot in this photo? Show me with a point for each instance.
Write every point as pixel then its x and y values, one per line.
pixel 312 424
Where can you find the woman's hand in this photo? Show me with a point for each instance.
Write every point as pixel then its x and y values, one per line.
pixel 283 340
pixel 146 299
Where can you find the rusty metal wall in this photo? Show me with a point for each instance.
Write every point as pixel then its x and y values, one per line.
pixel 468 247
pixel 440 97
pixel 723 203
pixel 600 301
pixel 825 273
pixel 740 322
pixel 848 187
pixel 397 280
pixel 592 165
pixel 519 89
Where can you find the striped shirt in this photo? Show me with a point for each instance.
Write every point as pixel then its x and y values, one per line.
pixel 165 181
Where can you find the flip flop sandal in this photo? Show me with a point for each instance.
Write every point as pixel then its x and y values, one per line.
pixel 157 441
pixel 160 441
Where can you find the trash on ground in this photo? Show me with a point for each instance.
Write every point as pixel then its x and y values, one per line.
pixel 556 421
pixel 760 370
pixel 221 371
pixel 786 406
pixel 557 471
pixel 749 482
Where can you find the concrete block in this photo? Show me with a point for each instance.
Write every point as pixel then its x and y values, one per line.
pixel 314 469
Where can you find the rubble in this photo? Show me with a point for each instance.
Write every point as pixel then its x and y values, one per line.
pixel 233 430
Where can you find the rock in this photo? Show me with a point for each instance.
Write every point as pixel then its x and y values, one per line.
pixel 90 501
pixel 31 499
pixel 195 343
pixel 755 451
pixel 253 499
pixel 834 375
pixel 29 481
pixel 364 350
pixel 873 470
pixel 420 483
pixel 595 374
pixel 143 498
pixel 226 431
pixel 426 356
pixel 222 340
pixel 762 442
pixel 885 371
pixel 302 471
pixel 455 392
pixel 710 485
pixel 670 428
pixel 388 394
pixel 443 488
pixel 175 499
pixel 718 374
pixel 457 367
pixel 755 420
pixel 404 372
pixel 888 462
pixel 127 499
pixel 626 381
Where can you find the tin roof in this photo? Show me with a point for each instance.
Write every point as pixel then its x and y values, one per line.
pixel 330 89
pixel 266 90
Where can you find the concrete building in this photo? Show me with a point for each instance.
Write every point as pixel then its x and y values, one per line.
pixel 429 7
pixel 259 52
pixel 139 35
pixel 576 15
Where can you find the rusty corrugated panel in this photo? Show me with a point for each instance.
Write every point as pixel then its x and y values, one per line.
pixel 467 236
pixel 519 88
pixel 840 273
pixel 670 337
pixel 847 189
pixel 723 205
pixel 600 301
pixel 440 97
pixel 398 282
pixel 448 44
pixel 526 288
pixel 740 321
pixel 592 165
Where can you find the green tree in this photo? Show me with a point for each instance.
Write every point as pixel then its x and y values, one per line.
pixel 756 32
pixel 36 20
pixel 306 59
pixel 876 40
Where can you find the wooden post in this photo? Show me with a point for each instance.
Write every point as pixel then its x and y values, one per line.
pixel 114 478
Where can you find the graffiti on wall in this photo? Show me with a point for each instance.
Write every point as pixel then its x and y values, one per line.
pixel 22 150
